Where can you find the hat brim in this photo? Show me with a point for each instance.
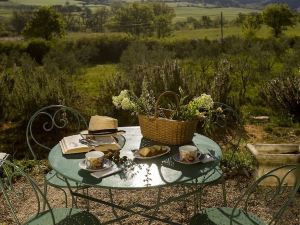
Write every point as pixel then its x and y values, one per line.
pixel 104 133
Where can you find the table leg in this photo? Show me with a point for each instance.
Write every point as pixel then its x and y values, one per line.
pixel 224 191
pixel 129 209
pixel 157 204
pixel 113 208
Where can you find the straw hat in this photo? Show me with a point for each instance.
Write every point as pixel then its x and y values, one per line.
pixel 102 125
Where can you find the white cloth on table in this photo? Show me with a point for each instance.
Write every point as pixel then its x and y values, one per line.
pixel 104 173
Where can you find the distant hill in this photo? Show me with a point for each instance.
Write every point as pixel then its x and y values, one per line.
pixel 251 3
pixel 294 4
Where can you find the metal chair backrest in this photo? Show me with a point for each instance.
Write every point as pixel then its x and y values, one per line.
pixel 16 195
pixel 280 191
pixel 50 120
pixel 226 127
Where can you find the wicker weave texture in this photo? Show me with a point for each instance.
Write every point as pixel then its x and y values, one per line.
pixel 167 131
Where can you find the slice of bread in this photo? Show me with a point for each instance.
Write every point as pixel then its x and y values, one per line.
pixel 152 150
pixel 145 152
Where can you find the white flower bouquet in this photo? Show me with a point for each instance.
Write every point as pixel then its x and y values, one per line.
pixel 197 108
pixel 168 126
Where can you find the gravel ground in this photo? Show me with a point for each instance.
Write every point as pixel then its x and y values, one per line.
pixel 177 211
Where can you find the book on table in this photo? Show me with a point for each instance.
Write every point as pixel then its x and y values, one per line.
pixel 71 144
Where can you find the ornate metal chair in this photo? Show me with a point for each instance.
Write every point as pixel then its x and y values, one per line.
pixel 50 124
pixel 28 187
pixel 237 216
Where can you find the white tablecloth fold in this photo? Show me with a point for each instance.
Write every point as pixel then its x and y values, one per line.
pixel 205 158
pixel 104 173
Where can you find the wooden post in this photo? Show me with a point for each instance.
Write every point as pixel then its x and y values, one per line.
pixel 222 24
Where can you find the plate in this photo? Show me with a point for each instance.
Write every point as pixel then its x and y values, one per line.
pixel 106 164
pixel 137 155
pixel 176 157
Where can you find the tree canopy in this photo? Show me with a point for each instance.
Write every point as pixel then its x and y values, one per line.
pixel 19 20
pixel 45 23
pixel 251 24
pixel 143 19
pixel 278 17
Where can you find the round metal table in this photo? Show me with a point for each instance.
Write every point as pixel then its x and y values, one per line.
pixel 157 172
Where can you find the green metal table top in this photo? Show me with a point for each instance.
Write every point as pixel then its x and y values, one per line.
pixel 161 171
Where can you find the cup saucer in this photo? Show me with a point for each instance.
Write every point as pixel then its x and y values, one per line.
pixel 176 158
pixel 106 164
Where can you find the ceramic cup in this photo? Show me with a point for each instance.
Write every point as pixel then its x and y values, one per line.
pixel 94 160
pixel 188 153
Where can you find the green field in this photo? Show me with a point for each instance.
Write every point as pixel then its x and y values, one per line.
pixel 44 2
pixel 229 13
pixel 5 12
pixel 182 11
pixel 215 33
pixel 88 83
pixel 210 33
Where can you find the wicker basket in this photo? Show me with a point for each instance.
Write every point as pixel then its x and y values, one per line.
pixel 164 130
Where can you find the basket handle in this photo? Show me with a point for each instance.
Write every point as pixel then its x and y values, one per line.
pixel 170 93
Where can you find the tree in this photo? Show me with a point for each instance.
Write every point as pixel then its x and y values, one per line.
pixel 143 19
pixel 278 17
pixel 163 26
pixel 136 18
pixel 45 23
pixel 194 22
pixel 206 21
pixel 19 20
pixel 99 18
pixel 86 16
pixel 252 23
pixel 240 19
pixel 71 15
pixel 164 15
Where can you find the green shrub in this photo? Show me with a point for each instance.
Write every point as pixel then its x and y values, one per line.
pixel 297 132
pixel 37 49
pixel 62 59
pixel 103 49
pixel 269 129
pixel 9 47
pixel 283 120
pixel 6 33
pixel 25 165
pixel 242 159
pixel 283 94
pixel 27 87
pixel 138 53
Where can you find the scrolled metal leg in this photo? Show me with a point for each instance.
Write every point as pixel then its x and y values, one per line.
pixel 199 197
pixel 85 191
pixel 73 200
pixel 88 201
pixel 66 197
pixel 45 193
pixel 65 194
pixel 195 196
pixel 224 191
pixel 112 201
pixel 156 205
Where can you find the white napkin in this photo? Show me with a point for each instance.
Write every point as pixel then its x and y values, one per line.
pixel 3 155
pixel 207 158
pixel 104 173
